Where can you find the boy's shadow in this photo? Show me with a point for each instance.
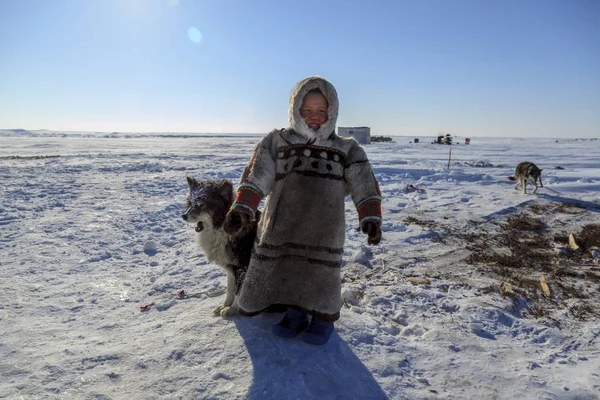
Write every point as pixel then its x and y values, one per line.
pixel 291 369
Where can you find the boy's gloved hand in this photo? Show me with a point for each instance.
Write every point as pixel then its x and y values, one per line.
pixel 373 230
pixel 236 219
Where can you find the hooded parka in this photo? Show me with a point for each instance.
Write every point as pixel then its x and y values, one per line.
pixel 304 176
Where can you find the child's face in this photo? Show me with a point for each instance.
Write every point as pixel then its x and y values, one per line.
pixel 314 110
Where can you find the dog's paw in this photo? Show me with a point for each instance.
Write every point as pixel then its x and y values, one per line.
pixel 219 309
pixel 229 311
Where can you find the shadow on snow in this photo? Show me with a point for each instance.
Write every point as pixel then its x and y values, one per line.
pixel 291 369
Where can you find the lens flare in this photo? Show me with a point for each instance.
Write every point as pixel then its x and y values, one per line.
pixel 194 34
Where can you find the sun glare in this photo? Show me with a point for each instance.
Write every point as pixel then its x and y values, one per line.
pixel 194 34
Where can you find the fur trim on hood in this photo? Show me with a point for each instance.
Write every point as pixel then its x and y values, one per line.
pixel 297 123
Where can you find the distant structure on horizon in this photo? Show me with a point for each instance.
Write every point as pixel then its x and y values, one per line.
pixel 362 134
pixel 441 139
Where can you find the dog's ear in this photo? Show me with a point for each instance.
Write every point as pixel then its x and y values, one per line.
pixel 190 181
pixel 226 190
pixel 541 169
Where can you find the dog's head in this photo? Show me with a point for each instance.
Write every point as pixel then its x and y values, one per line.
pixel 208 202
pixel 536 174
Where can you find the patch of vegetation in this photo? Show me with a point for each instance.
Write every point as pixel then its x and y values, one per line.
pixel 570 208
pixel 520 251
pixel 589 236
pixel 427 223
pixel 523 222
pixel 541 209
pixel 562 207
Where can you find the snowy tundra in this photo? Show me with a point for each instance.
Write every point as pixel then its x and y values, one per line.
pixel 94 256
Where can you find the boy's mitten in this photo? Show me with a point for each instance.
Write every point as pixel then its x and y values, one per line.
pixel 237 219
pixel 373 230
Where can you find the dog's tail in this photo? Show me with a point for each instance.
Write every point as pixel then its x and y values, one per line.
pixel 512 178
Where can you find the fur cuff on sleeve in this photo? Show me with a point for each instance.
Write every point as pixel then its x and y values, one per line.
pixel 369 209
pixel 248 197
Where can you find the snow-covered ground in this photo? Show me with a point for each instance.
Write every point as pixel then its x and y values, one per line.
pixel 91 230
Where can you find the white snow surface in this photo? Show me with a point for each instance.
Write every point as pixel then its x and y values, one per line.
pixel 91 230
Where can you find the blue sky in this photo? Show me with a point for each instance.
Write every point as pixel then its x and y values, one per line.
pixel 519 68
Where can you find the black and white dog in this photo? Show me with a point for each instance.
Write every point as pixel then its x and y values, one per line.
pixel 207 204
pixel 527 171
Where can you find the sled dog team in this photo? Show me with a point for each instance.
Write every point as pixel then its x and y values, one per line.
pixel 289 256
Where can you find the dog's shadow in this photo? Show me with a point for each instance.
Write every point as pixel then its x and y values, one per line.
pixel 291 369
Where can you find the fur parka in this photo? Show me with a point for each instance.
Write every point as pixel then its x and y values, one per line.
pixel 304 177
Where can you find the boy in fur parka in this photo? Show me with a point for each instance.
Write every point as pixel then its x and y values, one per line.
pixel 306 171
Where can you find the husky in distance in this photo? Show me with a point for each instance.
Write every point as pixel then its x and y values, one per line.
pixel 207 204
pixel 527 171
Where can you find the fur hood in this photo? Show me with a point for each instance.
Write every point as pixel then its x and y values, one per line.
pixel 297 123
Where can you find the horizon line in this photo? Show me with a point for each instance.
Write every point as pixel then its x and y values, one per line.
pixel 263 133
